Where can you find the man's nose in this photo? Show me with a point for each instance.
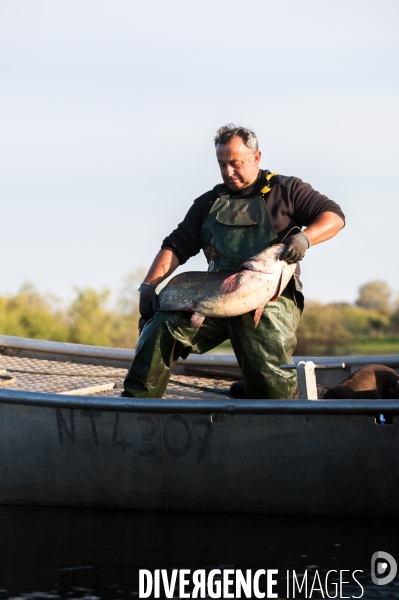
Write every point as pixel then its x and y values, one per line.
pixel 229 170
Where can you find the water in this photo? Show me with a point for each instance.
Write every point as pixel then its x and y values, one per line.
pixel 84 553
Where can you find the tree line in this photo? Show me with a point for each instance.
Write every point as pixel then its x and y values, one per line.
pixel 369 326
pixel 90 318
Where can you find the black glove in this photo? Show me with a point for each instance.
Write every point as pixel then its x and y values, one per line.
pixel 295 247
pixel 149 304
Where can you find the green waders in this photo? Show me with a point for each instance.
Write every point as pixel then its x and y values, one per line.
pixel 234 230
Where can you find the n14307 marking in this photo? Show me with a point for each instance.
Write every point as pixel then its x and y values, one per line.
pixel 149 440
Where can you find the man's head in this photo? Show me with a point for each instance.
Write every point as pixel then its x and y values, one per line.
pixel 238 156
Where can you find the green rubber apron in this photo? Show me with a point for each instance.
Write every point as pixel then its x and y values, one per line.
pixel 234 230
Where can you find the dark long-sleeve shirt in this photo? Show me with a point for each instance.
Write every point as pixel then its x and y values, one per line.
pixel 290 203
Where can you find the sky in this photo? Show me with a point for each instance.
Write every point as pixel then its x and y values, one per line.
pixel 108 110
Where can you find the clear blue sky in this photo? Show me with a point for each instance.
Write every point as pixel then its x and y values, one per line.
pixel 108 109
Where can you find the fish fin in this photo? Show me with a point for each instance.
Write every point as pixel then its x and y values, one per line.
pixel 197 319
pixel 278 290
pixel 231 284
pixel 258 314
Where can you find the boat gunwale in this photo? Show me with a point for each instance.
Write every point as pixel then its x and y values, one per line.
pixel 187 405
pixel 75 351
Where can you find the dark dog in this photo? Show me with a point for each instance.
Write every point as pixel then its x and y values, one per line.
pixel 370 382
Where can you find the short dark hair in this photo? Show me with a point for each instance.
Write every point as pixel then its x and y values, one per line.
pixel 227 132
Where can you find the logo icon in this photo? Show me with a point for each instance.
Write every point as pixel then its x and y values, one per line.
pixel 383 563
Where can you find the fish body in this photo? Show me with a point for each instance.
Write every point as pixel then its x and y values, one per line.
pixel 261 278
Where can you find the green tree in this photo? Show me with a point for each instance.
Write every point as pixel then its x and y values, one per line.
pixel 363 321
pixel 94 321
pixel 322 329
pixel 31 314
pixel 91 320
pixel 394 321
pixel 375 295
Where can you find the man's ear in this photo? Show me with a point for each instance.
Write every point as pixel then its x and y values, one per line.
pixel 257 156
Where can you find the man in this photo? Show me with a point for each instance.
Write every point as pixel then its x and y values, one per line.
pixel 252 210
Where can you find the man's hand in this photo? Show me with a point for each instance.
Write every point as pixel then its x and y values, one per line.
pixel 295 247
pixel 163 265
pixel 148 301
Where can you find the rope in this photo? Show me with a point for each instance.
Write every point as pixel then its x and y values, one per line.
pixel 292 229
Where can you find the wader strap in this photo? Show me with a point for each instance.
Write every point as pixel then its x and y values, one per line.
pixel 225 195
pixel 267 188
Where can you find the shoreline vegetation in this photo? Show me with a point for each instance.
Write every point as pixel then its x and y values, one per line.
pixel 369 326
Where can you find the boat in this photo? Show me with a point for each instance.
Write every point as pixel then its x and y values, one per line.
pixel 67 438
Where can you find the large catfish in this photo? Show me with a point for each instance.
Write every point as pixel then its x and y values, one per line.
pixel 260 279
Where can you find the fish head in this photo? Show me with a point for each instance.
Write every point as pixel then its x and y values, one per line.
pixel 266 261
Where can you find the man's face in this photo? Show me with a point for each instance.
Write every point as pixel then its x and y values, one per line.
pixel 239 166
